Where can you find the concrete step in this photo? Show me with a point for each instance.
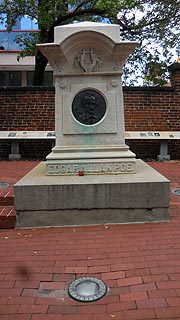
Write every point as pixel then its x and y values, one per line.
pixel 6 197
pixel 7 217
pixel 7 211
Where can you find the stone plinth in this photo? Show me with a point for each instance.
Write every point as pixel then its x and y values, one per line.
pixel 42 200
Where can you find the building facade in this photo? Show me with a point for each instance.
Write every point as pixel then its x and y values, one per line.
pixel 15 71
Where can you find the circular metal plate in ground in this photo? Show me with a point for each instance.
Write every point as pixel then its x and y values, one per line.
pixel 87 289
pixel 4 184
pixel 176 192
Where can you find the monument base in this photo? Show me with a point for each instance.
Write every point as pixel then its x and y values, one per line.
pixel 42 200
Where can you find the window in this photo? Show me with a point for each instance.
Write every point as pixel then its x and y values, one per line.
pixel 10 78
pixel 28 24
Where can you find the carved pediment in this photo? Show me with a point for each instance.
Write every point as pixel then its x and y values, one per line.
pixel 88 60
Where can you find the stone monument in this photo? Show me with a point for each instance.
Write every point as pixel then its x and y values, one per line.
pixel 90 176
pixel 87 59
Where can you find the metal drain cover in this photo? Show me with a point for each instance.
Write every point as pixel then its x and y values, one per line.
pixel 87 289
pixel 176 192
pixel 4 184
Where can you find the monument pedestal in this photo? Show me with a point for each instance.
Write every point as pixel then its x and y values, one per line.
pixel 87 60
pixel 42 200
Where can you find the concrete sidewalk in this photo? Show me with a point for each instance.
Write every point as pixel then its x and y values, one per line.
pixel 140 263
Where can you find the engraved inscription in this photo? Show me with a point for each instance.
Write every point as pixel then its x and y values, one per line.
pixel 88 107
pixel 97 168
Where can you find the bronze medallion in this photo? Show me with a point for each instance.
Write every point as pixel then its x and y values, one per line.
pixel 87 289
pixel 88 107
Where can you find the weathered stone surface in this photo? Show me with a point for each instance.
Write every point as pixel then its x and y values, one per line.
pixel 42 200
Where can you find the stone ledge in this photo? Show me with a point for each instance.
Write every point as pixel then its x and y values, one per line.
pixel 42 200
pixel 61 218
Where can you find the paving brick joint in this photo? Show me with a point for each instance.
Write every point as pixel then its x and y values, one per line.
pixel 140 263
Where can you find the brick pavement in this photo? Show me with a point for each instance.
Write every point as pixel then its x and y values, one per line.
pixel 140 264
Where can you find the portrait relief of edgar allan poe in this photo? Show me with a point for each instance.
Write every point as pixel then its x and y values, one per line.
pixel 88 107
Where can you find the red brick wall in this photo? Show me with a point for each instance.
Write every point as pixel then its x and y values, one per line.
pixel 146 109
pixel 27 108
pixel 151 109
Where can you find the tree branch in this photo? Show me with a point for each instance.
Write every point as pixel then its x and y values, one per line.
pixel 70 15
